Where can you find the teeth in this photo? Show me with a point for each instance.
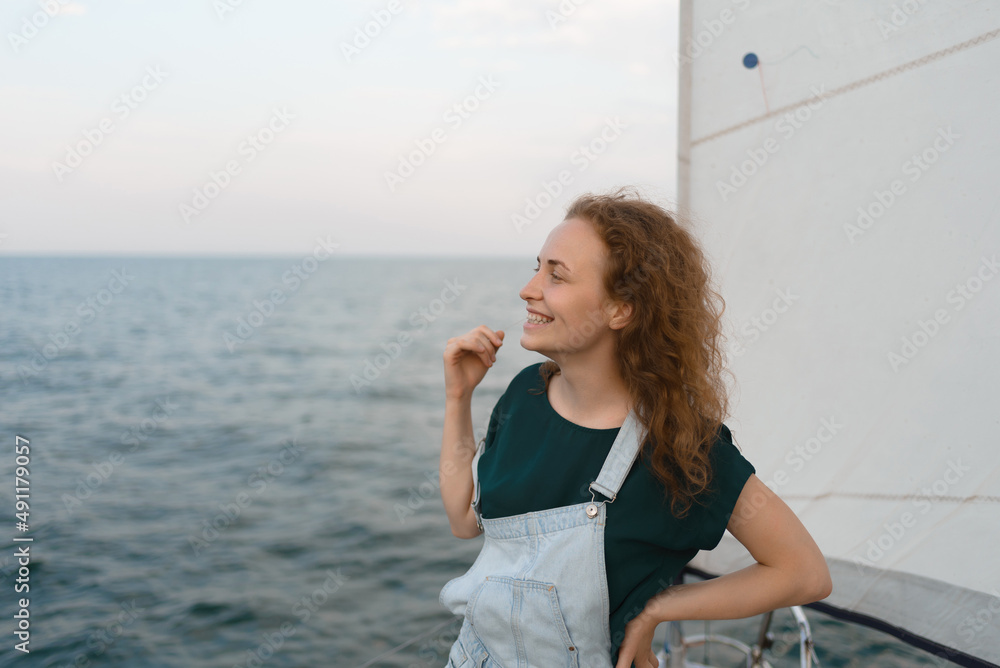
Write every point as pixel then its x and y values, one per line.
pixel 537 319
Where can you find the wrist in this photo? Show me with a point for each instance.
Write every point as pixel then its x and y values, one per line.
pixel 649 616
pixel 457 399
pixel 656 610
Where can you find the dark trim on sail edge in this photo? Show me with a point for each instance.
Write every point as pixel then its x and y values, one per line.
pixel 955 656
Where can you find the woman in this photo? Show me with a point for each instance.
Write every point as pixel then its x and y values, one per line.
pixel 607 467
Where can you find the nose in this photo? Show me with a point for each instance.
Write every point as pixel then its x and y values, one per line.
pixel 531 290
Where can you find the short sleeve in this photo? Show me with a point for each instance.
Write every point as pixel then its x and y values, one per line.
pixel 491 431
pixel 730 472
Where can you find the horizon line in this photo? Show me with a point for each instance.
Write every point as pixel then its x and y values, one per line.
pixel 247 256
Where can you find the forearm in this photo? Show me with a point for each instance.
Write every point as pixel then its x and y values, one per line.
pixel 751 591
pixel 458 448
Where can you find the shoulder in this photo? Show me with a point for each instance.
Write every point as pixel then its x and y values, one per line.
pixel 727 460
pixel 730 471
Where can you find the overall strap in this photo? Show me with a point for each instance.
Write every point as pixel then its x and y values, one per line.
pixel 476 505
pixel 619 462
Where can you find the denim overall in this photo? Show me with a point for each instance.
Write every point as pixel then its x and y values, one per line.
pixel 537 594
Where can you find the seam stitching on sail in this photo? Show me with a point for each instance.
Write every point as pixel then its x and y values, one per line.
pixel 985 37
pixel 978 498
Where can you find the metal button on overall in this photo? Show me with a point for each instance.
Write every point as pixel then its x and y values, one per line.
pixel 537 594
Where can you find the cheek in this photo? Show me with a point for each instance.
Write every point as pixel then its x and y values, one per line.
pixel 580 313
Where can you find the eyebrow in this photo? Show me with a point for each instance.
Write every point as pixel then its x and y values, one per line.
pixel 554 263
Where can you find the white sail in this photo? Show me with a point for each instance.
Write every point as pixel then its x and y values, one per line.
pixel 841 159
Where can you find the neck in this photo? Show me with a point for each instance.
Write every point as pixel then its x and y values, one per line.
pixel 590 391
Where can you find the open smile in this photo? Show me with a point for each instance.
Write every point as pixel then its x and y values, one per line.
pixel 536 320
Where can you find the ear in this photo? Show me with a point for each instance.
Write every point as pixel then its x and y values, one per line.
pixel 620 314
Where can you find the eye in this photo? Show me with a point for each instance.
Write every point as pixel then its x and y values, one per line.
pixel 555 276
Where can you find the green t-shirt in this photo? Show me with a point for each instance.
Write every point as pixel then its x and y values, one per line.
pixel 535 459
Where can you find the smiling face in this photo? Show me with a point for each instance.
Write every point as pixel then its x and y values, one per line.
pixel 569 311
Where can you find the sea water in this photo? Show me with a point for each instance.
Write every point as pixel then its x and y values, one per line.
pixel 233 461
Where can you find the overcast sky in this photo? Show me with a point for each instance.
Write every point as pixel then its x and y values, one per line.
pixel 253 126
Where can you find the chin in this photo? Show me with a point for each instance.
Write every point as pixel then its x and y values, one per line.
pixel 533 346
pixel 530 343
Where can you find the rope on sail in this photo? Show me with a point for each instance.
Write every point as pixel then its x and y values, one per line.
pixel 919 62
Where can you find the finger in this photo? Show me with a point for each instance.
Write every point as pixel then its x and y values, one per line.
pixel 458 348
pixel 486 354
pixel 496 338
pixel 487 346
pixel 480 346
pixel 493 351
pixel 482 342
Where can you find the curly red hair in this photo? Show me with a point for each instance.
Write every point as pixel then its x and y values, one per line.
pixel 669 353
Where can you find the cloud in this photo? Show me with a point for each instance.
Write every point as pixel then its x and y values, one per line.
pixel 496 24
pixel 549 25
pixel 72 9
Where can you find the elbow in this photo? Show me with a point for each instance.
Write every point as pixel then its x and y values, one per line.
pixel 826 586
pixel 806 582
pixel 461 533
pixel 466 525
pixel 817 583
pixel 465 532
